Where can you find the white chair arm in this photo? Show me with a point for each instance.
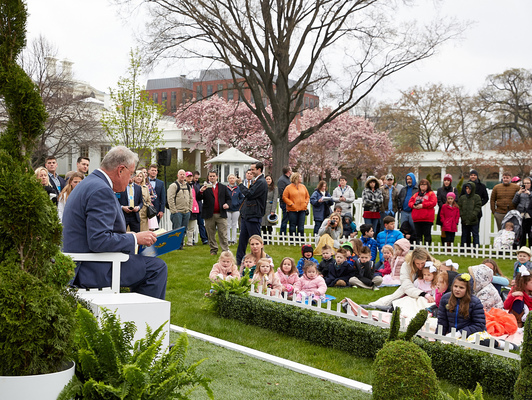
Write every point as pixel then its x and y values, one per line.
pixel 115 258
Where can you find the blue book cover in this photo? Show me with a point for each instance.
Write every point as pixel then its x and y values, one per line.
pixel 166 242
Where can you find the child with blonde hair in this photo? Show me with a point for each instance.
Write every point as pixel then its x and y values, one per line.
pixel 265 277
pixel 311 283
pixel 225 269
pixel 287 274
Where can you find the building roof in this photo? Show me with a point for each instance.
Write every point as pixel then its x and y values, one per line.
pixel 232 155
pixel 169 83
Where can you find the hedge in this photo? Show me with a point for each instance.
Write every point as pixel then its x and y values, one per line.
pixel 460 366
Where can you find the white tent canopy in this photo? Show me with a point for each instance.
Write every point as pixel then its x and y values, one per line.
pixel 231 161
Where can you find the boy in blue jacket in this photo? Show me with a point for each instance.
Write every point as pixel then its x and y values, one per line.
pixel 308 252
pixel 366 230
pixel 389 235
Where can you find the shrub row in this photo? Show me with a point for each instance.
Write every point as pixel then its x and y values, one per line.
pixel 460 366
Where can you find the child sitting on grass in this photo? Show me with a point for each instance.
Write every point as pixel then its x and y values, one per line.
pixel 366 232
pixel 364 273
pixel 519 301
pixel 327 260
pixel 401 249
pixel 428 281
pixel 499 280
pixel 288 275
pixel 307 252
pixel 311 283
pixel 265 277
pixel 225 269
pixel 384 266
pixel 350 228
pixel 340 273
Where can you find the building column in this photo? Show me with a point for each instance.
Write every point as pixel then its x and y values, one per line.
pixel 501 171
pixel 197 161
pixel 442 173
pixel 179 155
pixel 416 173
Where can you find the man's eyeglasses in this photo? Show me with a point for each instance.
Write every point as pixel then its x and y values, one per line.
pixel 133 174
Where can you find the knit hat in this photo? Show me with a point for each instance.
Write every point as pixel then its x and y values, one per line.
pixel 448 177
pixel 307 248
pixel 473 171
pixel 348 245
pixel 515 179
pixel 451 194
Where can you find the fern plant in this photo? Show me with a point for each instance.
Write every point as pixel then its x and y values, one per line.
pixel 109 366
pixel 236 286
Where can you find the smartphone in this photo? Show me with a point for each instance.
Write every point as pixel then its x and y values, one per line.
pixel 131 208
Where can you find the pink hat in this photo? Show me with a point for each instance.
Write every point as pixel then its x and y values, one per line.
pixel 451 194
pixel 188 173
pixel 448 177
pixel 515 179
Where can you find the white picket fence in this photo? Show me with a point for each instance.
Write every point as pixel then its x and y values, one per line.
pixel 375 318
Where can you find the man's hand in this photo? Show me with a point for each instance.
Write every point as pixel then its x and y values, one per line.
pixel 146 238
pixel 160 214
pixel 225 206
pixel 126 209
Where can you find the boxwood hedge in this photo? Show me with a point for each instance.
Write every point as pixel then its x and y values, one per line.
pixel 460 366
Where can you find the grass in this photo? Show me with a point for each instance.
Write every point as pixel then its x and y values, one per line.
pixel 188 272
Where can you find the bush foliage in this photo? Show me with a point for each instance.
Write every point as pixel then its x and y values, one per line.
pixel 463 367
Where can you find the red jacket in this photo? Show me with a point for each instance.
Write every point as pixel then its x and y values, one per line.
pixel 449 218
pixel 508 303
pixel 427 213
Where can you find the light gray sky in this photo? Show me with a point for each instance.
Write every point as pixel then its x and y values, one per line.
pixel 90 34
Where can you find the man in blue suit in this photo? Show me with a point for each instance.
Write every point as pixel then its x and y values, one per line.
pixel 93 222
pixel 157 185
pixel 131 202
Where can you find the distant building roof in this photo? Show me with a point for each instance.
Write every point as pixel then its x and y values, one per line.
pixel 169 83
pixel 232 155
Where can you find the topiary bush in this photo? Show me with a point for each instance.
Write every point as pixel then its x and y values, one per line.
pixel 523 385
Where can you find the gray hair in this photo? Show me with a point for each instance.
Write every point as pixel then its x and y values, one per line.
pixel 119 155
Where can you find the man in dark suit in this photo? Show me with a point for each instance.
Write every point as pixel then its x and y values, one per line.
pixel 57 182
pixel 93 222
pixel 252 209
pixel 216 201
pixel 160 191
pixel 131 202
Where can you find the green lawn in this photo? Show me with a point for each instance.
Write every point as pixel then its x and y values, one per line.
pixel 188 282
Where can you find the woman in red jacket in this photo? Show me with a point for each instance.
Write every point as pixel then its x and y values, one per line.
pixel 422 204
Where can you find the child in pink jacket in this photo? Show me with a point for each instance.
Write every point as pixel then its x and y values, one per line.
pixel 311 283
pixel 400 250
pixel 288 275
pixel 225 268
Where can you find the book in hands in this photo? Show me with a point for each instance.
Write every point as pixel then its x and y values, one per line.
pixel 166 242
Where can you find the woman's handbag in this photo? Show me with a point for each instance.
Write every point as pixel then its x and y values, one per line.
pixel 151 211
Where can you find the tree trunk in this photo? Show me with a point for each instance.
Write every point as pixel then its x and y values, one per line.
pixel 280 157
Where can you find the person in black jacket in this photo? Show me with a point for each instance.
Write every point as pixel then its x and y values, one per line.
pixel 252 209
pixel 480 189
pixel 364 272
pixel 216 201
pixel 282 183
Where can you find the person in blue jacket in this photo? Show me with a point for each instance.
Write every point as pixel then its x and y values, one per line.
pixel 389 235
pixel 321 201
pixel 366 230
pixel 404 197
pixel 461 310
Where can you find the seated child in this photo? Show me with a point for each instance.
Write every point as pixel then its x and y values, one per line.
pixel 225 268
pixel 449 266
pixel 519 302
pixel 311 283
pixel 400 250
pixel 428 282
pixel 265 278
pixel 327 260
pixel 505 237
pixel 248 262
pixel 482 276
pixel 384 266
pixel 408 232
pixel 353 247
pixel 340 273
pixel 364 274
pixel 307 252
pixel 350 228
pixel 523 260
pixel 461 310
pixel 389 235
pixel 366 231
pixel 288 275
pixel 499 280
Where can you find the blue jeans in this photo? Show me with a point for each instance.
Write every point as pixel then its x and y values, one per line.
pixel 179 220
pixel 297 221
pixel 407 216
pixel 317 226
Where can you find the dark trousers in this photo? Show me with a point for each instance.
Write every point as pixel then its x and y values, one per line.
pixel 131 221
pixel 423 232
pixel 284 220
pixel 525 232
pixel 317 226
pixel 202 230
pixel 467 231
pixel 297 222
pixel 248 228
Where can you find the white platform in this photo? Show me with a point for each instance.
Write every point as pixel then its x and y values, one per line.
pixel 134 307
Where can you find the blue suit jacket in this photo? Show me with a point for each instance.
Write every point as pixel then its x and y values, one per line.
pixel 137 199
pixel 93 222
pixel 160 191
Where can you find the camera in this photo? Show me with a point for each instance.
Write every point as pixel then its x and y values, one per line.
pixel 332 223
pixel 418 201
